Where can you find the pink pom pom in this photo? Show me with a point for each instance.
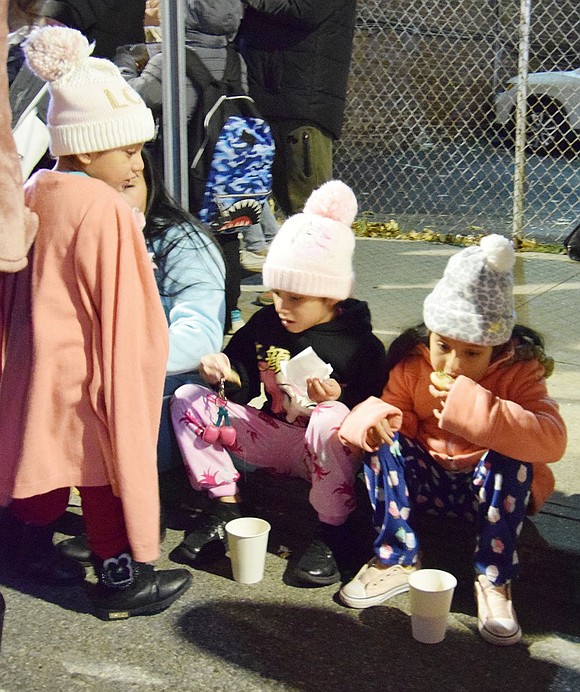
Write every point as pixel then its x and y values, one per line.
pixel 333 200
pixel 53 51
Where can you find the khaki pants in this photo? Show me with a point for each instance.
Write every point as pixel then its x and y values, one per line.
pixel 303 162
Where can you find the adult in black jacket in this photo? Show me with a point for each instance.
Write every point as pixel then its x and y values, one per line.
pixel 109 23
pixel 298 55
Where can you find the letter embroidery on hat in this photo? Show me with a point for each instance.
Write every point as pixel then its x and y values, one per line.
pixel 128 95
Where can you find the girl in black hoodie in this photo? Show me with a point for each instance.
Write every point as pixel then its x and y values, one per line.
pixel 315 355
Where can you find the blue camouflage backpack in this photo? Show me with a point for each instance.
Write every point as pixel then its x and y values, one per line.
pixel 231 149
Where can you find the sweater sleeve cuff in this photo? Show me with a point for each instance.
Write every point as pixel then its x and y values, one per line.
pixel 354 429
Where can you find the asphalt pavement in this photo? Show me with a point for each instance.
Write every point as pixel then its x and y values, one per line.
pixel 275 635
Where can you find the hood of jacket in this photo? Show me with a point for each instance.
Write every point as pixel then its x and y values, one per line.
pixel 212 22
pixel 353 316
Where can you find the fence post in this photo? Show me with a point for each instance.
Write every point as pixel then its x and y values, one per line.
pixel 520 132
pixel 174 118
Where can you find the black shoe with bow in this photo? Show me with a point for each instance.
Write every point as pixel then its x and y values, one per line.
pixel 127 588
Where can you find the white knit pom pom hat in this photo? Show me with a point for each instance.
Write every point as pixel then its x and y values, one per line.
pixel 312 252
pixel 474 302
pixel 92 108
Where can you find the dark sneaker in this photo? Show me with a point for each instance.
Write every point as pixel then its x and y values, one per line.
pixel 208 529
pixel 317 565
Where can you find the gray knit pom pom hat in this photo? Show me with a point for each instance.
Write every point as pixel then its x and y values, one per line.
pixel 474 302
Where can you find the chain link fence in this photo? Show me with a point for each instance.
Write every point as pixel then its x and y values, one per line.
pixel 430 134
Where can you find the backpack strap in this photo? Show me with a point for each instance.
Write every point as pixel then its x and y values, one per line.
pixel 27 91
pixel 197 72
pixel 233 72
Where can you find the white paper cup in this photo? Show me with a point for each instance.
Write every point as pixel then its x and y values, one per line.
pixel 247 545
pixel 431 592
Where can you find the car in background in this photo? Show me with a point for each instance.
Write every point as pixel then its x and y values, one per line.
pixel 553 113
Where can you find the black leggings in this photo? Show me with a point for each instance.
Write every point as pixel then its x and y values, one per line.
pixel 230 245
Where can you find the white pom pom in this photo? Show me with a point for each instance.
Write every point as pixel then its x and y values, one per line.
pixel 54 51
pixel 499 252
pixel 333 200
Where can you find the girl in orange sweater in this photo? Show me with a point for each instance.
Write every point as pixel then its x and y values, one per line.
pixel 465 429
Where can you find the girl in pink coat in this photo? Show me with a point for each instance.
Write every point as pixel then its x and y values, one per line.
pixel 84 346
pixel 464 429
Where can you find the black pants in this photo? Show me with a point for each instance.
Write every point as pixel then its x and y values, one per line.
pixel 230 245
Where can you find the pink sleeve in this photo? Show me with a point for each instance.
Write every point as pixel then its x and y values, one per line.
pixel 354 429
pixel 18 225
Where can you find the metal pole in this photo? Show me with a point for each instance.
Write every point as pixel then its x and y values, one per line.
pixel 174 106
pixel 520 132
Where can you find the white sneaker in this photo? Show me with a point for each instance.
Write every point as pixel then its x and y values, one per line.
pixel 376 583
pixel 497 621
pixel 253 261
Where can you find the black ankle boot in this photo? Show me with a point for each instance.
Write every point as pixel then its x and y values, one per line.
pixel 33 554
pixel 77 547
pixel 127 588
pixel 208 529
pixel 328 554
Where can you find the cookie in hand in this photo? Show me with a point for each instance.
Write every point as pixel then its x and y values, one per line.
pixel 441 380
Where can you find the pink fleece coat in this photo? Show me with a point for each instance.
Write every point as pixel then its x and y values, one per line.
pixel 508 411
pixel 85 350
pixel 17 224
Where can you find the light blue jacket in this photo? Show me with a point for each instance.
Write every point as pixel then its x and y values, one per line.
pixel 191 286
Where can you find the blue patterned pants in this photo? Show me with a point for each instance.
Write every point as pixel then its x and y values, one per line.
pixel 403 477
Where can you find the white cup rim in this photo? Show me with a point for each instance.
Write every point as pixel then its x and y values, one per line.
pixel 447 580
pixel 235 527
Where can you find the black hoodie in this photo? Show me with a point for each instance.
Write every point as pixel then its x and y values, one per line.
pixel 347 342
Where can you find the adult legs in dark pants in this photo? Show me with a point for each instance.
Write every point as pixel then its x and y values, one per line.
pixel 302 163
pixel 230 245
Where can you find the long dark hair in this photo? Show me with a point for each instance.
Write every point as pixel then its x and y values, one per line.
pixel 164 213
pixel 406 343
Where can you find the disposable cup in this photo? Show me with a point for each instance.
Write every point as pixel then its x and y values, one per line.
pixel 247 545
pixel 431 593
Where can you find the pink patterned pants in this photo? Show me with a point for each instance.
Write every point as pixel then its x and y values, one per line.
pixel 313 453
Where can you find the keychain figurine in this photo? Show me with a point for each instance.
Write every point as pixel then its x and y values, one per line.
pixel 222 430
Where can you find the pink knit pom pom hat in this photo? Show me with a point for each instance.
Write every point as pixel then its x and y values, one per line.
pixel 312 252
pixel 92 108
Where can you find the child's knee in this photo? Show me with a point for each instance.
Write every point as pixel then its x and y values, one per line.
pixel 328 416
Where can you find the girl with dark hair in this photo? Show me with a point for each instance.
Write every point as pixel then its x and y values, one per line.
pixel 190 276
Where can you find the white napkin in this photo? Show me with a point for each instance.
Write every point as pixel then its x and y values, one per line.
pixel 304 365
